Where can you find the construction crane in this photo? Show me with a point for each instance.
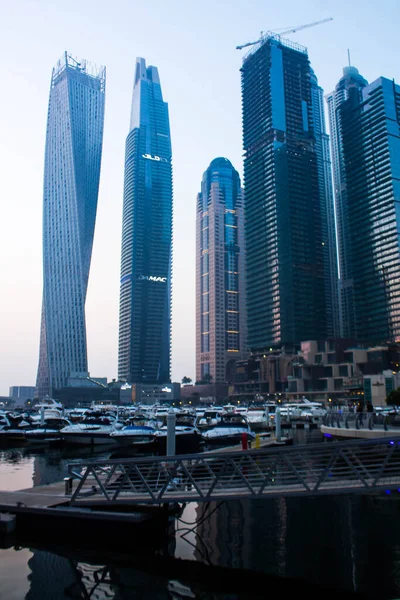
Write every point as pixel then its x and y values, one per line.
pixel 299 28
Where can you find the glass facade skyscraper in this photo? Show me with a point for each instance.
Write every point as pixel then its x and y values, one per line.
pixel 327 209
pixel 220 272
pixel 370 146
pixel 285 196
pixel 145 286
pixel 71 183
pixel 351 80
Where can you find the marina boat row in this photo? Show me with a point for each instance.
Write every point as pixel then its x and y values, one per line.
pixel 103 429
pixel 145 426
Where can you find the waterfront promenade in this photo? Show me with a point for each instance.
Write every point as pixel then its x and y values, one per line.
pixel 366 426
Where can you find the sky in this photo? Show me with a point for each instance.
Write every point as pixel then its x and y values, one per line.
pixel 193 45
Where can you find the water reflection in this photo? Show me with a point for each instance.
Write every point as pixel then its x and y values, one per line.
pixel 351 542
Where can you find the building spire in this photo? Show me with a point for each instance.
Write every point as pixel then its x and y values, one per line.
pixel 348 56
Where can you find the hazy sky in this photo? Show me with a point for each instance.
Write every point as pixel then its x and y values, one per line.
pixel 193 46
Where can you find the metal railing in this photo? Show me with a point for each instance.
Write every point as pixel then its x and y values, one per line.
pixel 353 466
pixel 369 420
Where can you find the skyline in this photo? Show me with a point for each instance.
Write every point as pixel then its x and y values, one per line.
pixel 196 86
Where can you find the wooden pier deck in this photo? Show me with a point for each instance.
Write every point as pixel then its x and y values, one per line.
pixel 43 496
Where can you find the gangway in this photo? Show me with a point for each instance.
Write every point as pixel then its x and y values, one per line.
pixel 358 466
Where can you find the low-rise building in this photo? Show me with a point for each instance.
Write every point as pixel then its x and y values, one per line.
pixel 261 376
pixel 339 370
pixel 22 393
pixel 205 393
pixel 150 393
pixel 378 387
pixel 327 370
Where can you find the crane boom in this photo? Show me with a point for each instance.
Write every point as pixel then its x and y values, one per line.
pixel 293 30
pixel 301 27
pixel 248 44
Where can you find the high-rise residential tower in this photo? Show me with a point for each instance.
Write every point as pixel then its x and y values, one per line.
pixel 327 209
pixel 145 286
pixel 71 183
pixel 286 196
pixel 370 145
pixel 351 80
pixel 220 272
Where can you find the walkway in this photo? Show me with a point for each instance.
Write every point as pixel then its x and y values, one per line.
pixel 315 469
pixel 360 426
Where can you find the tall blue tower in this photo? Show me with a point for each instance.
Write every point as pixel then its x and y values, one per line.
pixel 352 83
pixel 145 287
pixel 369 137
pixel 71 182
pixel 286 197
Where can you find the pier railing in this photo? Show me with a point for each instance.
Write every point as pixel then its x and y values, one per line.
pixel 368 420
pixel 355 466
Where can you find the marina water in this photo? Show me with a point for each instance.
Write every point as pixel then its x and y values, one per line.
pixel 351 542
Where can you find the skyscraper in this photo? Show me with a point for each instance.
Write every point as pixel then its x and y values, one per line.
pixel 145 287
pixel 285 195
pixel 71 183
pixel 369 141
pixel 329 249
pixel 220 283
pixel 351 80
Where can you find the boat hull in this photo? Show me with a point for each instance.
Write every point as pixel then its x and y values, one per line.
pixel 185 443
pixel 87 439
pixel 127 441
pixel 227 436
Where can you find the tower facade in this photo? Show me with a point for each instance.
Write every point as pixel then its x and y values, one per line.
pixel 71 183
pixel 354 82
pixel 329 248
pixel 220 272
pixel 370 143
pixel 145 286
pixel 284 228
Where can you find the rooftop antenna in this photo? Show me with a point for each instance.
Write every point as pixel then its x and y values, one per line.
pixel 348 56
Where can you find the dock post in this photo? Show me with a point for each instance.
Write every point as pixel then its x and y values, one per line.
pixel 258 440
pixel 278 424
pixel 68 486
pixel 245 443
pixel 171 421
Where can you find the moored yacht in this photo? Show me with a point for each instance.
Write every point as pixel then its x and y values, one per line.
pixel 210 418
pixel 228 430
pixel 187 436
pixel 47 432
pixel 140 430
pixel 93 430
pixel 257 417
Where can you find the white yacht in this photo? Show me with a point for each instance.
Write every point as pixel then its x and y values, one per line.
pixel 93 430
pixel 257 417
pixel 47 432
pixel 228 430
pixel 303 410
pixel 140 430
pixel 48 408
pixel 210 418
